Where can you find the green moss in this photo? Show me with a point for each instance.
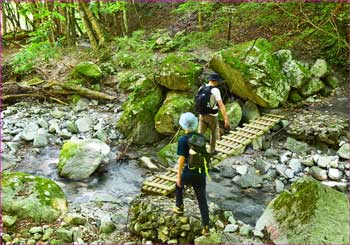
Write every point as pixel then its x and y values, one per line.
pixel 69 149
pixel 87 71
pixel 75 82
pixel 294 96
pixel 167 155
pixel 234 113
pixel 32 82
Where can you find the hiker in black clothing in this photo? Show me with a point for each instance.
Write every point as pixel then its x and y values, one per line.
pixel 185 175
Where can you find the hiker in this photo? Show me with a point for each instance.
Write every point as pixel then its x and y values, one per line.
pixel 207 101
pixel 187 175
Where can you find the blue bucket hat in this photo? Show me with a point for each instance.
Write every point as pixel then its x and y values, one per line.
pixel 215 77
pixel 188 121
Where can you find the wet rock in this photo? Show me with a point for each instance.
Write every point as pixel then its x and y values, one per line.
pixel 318 173
pixel 80 158
pixel 256 77
pixel 40 138
pixel 64 235
pixel 32 197
pixel 250 111
pixel 328 161
pixel 83 124
pixel 29 132
pixel 178 72
pixel 322 208
pixel 334 174
pixel 344 151
pixel 296 146
pixel 279 186
pixel 167 117
pixel 320 68
pixel 8 220
pixel 147 162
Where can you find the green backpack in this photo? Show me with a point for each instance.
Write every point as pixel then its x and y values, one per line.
pixel 199 158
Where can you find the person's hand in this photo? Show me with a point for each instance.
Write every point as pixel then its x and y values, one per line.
pixel 178 182
pixel 227 123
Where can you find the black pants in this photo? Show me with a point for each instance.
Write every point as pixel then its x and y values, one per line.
pixel 198 182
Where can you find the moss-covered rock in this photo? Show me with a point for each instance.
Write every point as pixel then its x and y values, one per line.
pixel 296 73
pixel 167 118
pixel 178 72
pixel 320 68
pixel 332 81
pixel 87 71
pixel 250 111
pixel 234 113
pixel 32 197
pixel 137 120
pixel 310 213
pixel 78 159
pixel 130 80
pixel 253 73
pixel 167 155
pixel 294 96
pixel 311 87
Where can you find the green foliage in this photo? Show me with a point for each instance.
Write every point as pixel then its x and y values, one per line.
pixel 24 61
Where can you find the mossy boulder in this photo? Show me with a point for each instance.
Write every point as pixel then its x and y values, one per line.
pixel 311 87
pixel 294 96
pixel 167 155
pixel 78 159
pixel 320 68
pixel 137 120
pixel 130 80
pixel 234 113
pixel 178 72
pixel 31 197
pixel 332 81
pixel 253 73
pixel 250 111
pixel 167 118
pixel 87 71
pixel 310 213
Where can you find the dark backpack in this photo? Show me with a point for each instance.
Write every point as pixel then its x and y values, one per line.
pixel 198 156
pixel 202 101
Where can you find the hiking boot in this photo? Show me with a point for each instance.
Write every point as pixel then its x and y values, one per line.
pixel 205 231
pixel 179 210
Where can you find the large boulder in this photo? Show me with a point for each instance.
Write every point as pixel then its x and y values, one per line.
pixel 250 111
pixel 167 118
pixel 295 71
pixel 167 155
pixel 234 113
pixel 137 120
pixel 87 71
pixel 31 197
pixel 320 68
pixel 310 213
pixel 311 87
pixel 78 159
pixel 178 72
pixel 253 73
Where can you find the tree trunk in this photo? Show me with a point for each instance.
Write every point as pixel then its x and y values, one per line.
pixel 70 25
pixel 125 20
pixel 87 24
pixel 4 21
pixel 94 23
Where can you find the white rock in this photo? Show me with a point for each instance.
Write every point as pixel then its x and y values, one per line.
pixel 295 164
pixel 230 228
pixel 326 161
pixel 315 158
pixel 148 163
pixel 334 174
pixel 344 151
pixel 242 169
pixel 83 124
pixel 279 186
pixel 289 172
pixel 281 169
pixel 29 131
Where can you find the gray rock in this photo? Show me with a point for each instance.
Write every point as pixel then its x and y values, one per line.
pixel 297 147
pixel 295 164
pixel 29 132
pixel 241 169
pixel 232 220
pixel 81 105
pixel 40 138
pixel 334 174
pixel 244 230
pixel 308 161
pixel 101 135
pixel 320 68
pixel 54 126
pixel 262 166
pixel 318 173
pixel 250 180
pixel 228 172
pixel 285 157
pixel 280 168
pixel 272 153
pixel 328 161
pixel 344 151
pixel 64 235
pixel 83 124
pixel 8 220
pixel 230 228
pixel 58 114
pixel 72 127
pixel 42 123
pixel 65 134
pixel 228 214
pixel 236 179
pixel 250 111
pixel 279 186
pixel 36 229
pixel 289 173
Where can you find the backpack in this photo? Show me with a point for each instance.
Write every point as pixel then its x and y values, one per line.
pixel 202 101
pixel 198 156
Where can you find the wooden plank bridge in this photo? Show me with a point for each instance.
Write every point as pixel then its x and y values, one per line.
pixel 231 144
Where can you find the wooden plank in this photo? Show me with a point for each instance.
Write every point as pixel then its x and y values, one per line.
pixel 256 127
pixel 160 186
pixel 244 135
pixel 226 144
pixel 248 131
pixel 261 123
pixel 172 170
pixel 275 115
pixel 223 150
pixel 238 141
pixel 270 119
pixel 164 177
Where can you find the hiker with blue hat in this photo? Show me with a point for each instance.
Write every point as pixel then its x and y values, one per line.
pixel 208 101
pixel 189 174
